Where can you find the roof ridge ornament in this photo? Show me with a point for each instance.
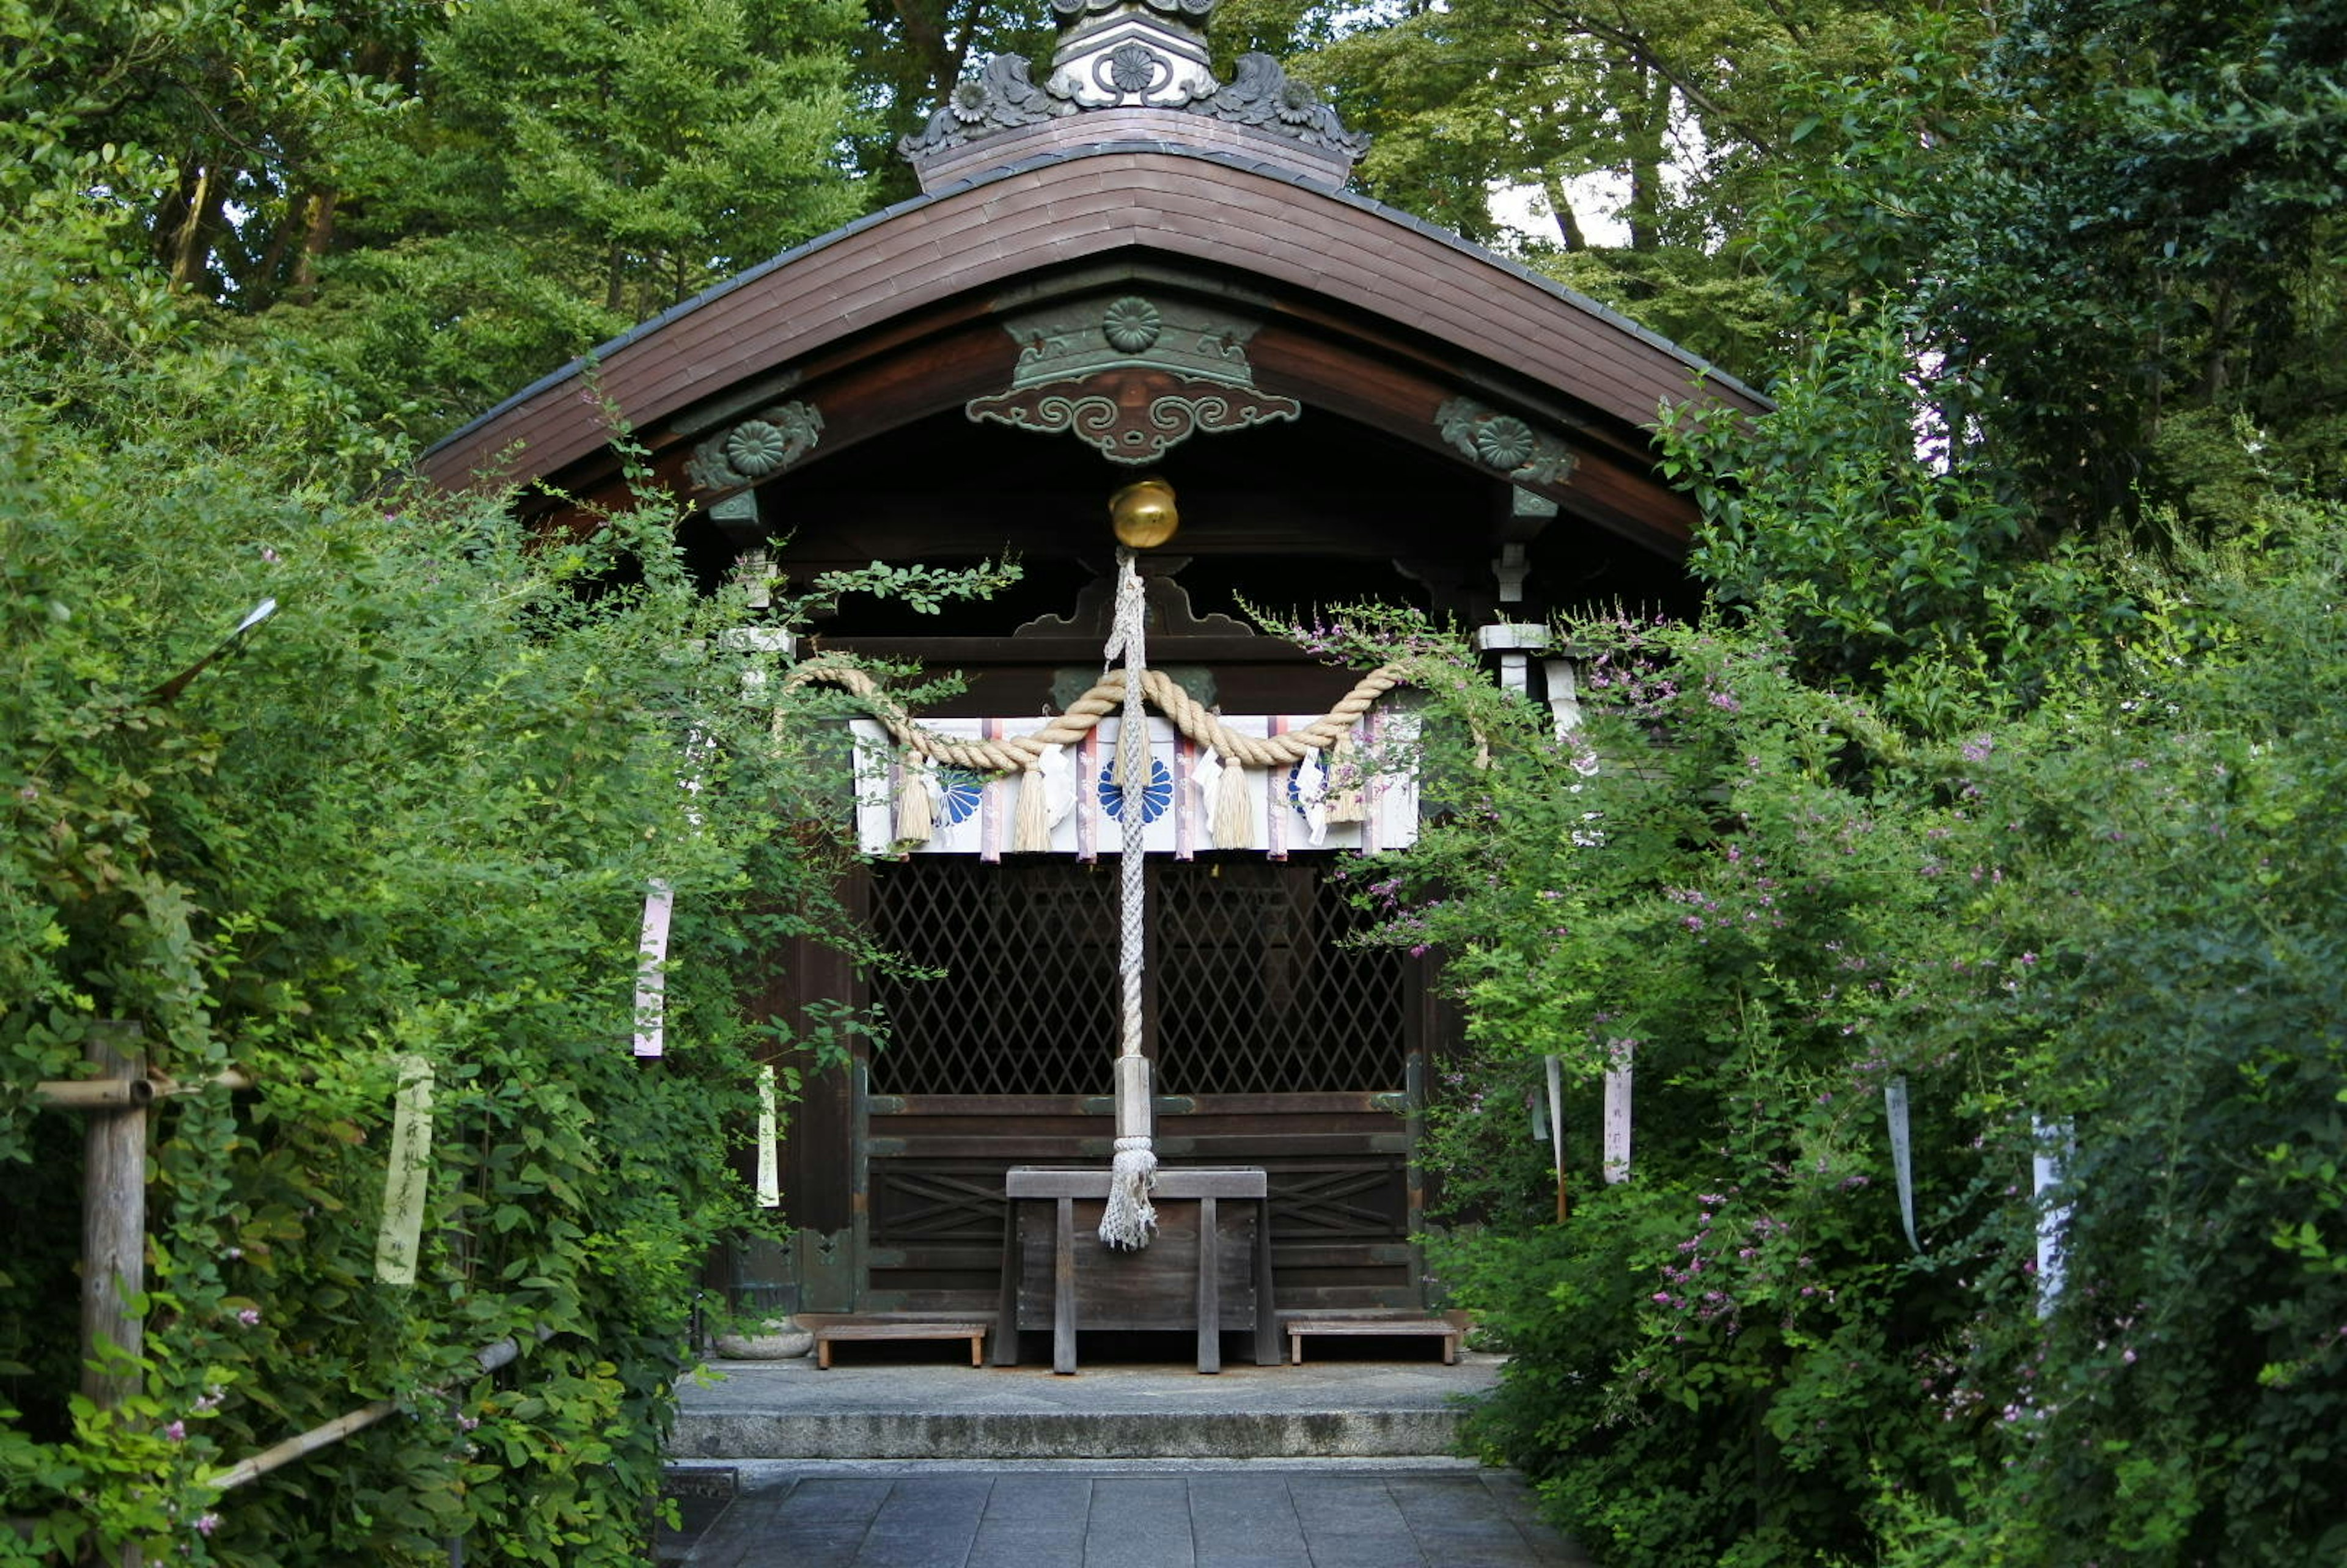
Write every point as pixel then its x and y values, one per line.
pixel 1070 10
pixel 1133 54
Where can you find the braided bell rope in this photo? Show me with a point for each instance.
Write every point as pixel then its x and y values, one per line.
pixel 1015 754
pixel 1130 1217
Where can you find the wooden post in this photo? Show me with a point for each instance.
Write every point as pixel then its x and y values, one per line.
pixel 114 1234
pixel 114 1220
pixel 1063 1289
pixel 1210 1289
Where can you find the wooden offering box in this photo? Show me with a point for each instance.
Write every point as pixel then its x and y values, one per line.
pixel 1057 1275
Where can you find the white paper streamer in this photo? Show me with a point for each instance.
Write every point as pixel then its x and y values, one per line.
pixel 1206 780
pixel 1312 796
pixel 1902 1153
pixel 1059 783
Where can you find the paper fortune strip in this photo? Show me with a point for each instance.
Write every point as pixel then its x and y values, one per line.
pixel 407 1178
pixel 770 1176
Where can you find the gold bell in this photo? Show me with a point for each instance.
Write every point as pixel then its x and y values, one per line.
pixel 1144 513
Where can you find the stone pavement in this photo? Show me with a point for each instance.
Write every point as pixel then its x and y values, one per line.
pixel 1333 1514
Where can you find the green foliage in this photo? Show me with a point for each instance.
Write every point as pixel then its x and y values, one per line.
pixel 2113 909
pixel 1855 512
pixel 567 170
pixel 1710 879
pixel 2112 229
pixel 442 204
pixel 412 813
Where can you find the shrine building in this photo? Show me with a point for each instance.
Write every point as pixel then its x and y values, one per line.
pixel 1123 267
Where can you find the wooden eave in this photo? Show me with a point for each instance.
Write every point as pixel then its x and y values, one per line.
pixel 1365 312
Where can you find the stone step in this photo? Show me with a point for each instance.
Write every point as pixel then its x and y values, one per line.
pixel 932 1409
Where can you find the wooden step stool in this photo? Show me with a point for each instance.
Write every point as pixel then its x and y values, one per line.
pixel 1449 1326
pixel 829 1330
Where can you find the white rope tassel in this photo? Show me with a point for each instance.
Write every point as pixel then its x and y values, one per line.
pixel 1232 824
pixel 1130 1218
pixel 915 812
pixel 1031 829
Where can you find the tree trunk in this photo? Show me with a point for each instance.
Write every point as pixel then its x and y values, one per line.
pixel 317 234
pixel 2213 375
pixel 925 34
pixel 1568 225
pixel 1646 128
pixel 202 194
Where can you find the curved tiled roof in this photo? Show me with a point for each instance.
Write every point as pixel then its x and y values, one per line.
pixel 1316 254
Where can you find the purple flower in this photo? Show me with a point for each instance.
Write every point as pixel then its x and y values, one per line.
pixel 249 1316
pixel 176 1431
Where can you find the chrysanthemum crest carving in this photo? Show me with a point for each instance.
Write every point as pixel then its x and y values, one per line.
pixel 1505 443
pixel 757 449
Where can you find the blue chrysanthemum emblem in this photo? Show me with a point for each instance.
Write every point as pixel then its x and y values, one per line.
pixel 1154 799
pixel 959 792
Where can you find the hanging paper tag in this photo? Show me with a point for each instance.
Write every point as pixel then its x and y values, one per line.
pixel 652 973
pixel 2053 1142
pixel 1902 1155
pixel 1617 1113
pixel 1556 1127
pixel 407 1178
pixel 770 1181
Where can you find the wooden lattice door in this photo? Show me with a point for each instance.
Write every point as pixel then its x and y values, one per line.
pixel 1278 1042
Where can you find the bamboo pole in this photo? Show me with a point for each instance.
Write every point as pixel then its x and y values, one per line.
pixel 117 1093
pixel 94 1093
pixel 277 1456
pixel 1556 1130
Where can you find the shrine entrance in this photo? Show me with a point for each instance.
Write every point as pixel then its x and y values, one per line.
pixel 1123 265
pixel 1274 1045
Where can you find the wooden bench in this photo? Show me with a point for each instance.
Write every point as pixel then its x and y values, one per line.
pixel 1448 1328
pixel 829 1331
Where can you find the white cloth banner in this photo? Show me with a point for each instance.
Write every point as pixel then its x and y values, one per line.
pixel 1288 808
